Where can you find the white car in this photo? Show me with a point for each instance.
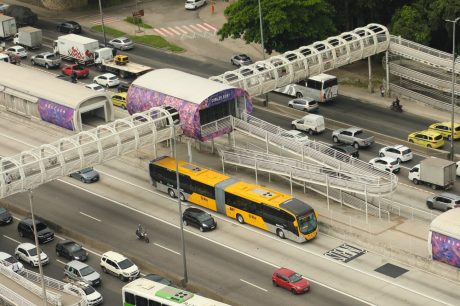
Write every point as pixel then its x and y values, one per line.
pixel 18 50
pixel 92 296
pixel 194 4
pixel 386 164
pixel 295 135
pixel 28 253
pixel 12 263
pixel 95 87
pixel 458 168
pixel 116 264
pixel 304 104
pixel 107 80
pixel 399 152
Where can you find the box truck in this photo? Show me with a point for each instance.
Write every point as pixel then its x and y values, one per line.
pixel 28 37
pixel 7 27
pixel 76 48
pixel 435 172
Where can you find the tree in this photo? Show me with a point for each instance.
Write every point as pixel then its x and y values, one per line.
pixel 287 24
pixel 411 24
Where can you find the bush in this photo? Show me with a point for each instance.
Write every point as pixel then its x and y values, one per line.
pixel 138 21
pixel 108 30
pixel 156 42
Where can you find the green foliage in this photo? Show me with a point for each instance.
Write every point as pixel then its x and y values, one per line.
pixel 287 24
pixel 108 30
pixel 411 24
pixel 138 21
pixel 156 42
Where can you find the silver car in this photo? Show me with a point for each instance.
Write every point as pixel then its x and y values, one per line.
pixel 304 104
pixel 79 271
pixel 443 201
pixel 241 60
pixel 122 43
pixel 87 175
pixel 46 59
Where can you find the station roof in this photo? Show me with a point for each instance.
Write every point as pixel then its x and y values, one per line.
pixel 35 83
pixel 447 223
pixel 180 84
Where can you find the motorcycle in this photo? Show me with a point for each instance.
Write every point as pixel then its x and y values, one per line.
pixel 142 236
pixel 394 107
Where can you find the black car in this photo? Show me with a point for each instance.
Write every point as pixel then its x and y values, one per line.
pixel 347 150
pixel 44 233
pixel 71 250
pixel 159 279
pixel 123 87
pixel 69 27
pixel 5 216
pixel 199 218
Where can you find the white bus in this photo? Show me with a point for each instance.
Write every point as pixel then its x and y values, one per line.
pixel 322 87
pixel 144 292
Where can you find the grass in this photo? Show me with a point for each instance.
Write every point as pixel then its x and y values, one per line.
pixel 149 40
pixel 137 21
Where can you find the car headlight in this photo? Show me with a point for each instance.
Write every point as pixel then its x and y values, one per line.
pixel 125 274
pixel 77 257
pixel 205 225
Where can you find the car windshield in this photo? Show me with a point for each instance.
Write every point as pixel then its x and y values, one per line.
pixel 86 170
pixel 203 217
pixel 88 290
pixel 294 278
pixel 408 151
pixel 11 259
pixel 33 252
pixel 125 264
pixel 125 41
pixel 74 248
pixel 113 78
pixel 20 49
pixel 307 223
pixel 457 128
pixel 86 271
pixel 40 226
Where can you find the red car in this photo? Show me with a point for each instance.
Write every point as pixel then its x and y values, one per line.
pixel 290 280
pixel 81 71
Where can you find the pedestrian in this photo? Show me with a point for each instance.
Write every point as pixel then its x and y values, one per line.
pixel 382 91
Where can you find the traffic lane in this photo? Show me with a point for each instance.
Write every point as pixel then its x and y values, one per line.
pixel 110 288
pixel 206 262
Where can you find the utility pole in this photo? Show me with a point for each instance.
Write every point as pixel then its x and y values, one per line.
pixel 102 23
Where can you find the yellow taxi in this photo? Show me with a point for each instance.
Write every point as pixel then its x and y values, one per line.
pixel 119 99
pixel 427 138
pixel 121 59
pixel 444 129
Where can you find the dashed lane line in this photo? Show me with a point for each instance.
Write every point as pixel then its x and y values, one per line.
pixel 255 286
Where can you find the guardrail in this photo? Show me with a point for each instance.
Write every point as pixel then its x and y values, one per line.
pixel 13 297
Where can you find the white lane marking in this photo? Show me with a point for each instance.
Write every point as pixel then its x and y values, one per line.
pixel 260 288
pixel 180 29
pixel 86 215
pixel 60 261
pixel 12 239
pixel 196 28
pixel 167 249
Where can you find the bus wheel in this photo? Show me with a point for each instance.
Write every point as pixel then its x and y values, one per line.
pixel 171 193
pixel 240 219
pixel 280 234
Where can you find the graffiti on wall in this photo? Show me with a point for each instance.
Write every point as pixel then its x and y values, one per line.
pixel 445 249
pixel 55 113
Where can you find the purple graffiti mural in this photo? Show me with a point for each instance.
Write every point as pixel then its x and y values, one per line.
pixel 445 249
pixel 55 113
pixel 140 99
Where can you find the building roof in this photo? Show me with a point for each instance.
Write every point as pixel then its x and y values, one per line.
pixel 180 84
pixel 447 223
pixel 38 84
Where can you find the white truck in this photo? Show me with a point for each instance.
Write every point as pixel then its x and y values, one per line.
pixel 8 27
pixel 435 172
pixel 28 37
pixel 86 51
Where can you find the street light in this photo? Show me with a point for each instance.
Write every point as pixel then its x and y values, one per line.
pixel 102 23
pixel 454 23
pixel 263 47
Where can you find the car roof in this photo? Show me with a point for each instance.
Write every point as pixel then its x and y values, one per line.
pixel 386 158
pixel 195 210
pixel 353 128
pixel 448 123
pixel 399 147
pixel 76 264
pixel 293 132
pixel 108 75
pixel 121 38
pixel 450 195
pixel 114 256
pixel 26 246
pixel 427 132
pixel 66 242
pixel 4 255
pixel 285 271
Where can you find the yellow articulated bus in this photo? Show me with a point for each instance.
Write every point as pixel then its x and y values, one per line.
pixel 248 203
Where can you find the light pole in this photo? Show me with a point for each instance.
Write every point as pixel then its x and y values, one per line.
pixel 454 23
pixel 263 46
pixel 102 23
pixel 40 268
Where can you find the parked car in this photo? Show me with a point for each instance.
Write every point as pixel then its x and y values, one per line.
pixel 386 164
pixel 241 60
pixel 92 296
pixel 194 4
pixel 348 150
pixel 44 233
pixel 122 43
pixel 95 87
pixel 443 201
pixel 79 271
pixel 159 279
pixel 295 135
pixel 199 219
pixel 444 128
pixel 354 136
pixel 81 71
pixel 427 138
pixel 23 15
pixel 17 50
pixel 304 104
pixel 27 252
pixel 118 265
pixel 399 152
pixel 86 175
pixel 107 80
pixel 71 250
pixel 46 59
pixel 290 280
pixel 119 99
pixel 69 27
pixel 11 263
pixel 5 216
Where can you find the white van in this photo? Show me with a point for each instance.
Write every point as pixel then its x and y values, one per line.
pixel 311 123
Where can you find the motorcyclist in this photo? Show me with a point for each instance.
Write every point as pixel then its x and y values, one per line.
pixel 139 231
pixel 396 104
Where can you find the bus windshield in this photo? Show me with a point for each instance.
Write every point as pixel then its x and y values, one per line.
pixel 307 223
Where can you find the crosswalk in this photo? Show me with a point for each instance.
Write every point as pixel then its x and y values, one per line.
pixel 107 20
pixel 185 29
